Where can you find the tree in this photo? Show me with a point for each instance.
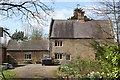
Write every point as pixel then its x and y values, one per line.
pixel 18 36
pixel 109 55
pixel 24 10
pixel 110 10
pixel 36 34
pixel 75 16
pixel 45 37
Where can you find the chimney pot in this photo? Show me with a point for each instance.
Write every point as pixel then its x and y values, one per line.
pixel 80 15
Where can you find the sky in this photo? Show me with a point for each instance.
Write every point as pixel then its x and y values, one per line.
pixel 63 9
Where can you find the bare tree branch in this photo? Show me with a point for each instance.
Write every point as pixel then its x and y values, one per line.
pixel 109 9
pixel 25 10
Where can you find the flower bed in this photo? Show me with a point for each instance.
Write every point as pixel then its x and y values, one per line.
pixel 80 69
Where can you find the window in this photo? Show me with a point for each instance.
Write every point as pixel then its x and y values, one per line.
pixel 67 56
pixel 58 56
pixel 27 56
pixel 58 43
pixel 55 43
pixel 61 43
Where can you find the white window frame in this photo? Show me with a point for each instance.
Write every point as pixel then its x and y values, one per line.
pixel 58 43
pixel 58 56
pixel 28 56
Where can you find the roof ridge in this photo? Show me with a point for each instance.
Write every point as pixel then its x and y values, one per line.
pixel 75 20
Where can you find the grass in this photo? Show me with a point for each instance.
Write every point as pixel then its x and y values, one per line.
pixel 53 73
pixel 36 76
pixel 9 74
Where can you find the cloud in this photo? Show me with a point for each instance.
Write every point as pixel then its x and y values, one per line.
pixel 62 14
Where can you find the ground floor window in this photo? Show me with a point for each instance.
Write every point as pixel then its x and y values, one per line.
pixel 67 56
pixel 58 56
pixel 27 56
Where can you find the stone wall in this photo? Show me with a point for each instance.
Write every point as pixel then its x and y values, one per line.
pixel 75 47
pixel 19 56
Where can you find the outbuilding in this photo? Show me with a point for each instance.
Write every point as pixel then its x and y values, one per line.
pixel 19 52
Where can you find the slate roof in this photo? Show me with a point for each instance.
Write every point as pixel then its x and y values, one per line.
pixel 80 29
pixel 28 45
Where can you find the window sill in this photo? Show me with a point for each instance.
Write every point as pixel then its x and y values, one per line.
pixel 58 46
pixel 28 59
pixel 68 60
pixel 58 59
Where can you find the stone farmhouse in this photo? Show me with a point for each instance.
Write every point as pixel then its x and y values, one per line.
pixel 67 40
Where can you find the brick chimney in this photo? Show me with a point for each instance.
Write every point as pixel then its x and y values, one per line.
pixel 81 15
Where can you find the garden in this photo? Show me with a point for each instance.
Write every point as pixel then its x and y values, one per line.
pixel 106 65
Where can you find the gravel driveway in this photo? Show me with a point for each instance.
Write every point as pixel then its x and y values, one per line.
pixel 35 71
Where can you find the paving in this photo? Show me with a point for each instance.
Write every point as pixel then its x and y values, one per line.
pixel 35 71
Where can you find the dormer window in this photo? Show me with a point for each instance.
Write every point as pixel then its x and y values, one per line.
pixel 58 43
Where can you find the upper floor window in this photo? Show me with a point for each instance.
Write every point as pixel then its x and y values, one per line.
pixel 58 43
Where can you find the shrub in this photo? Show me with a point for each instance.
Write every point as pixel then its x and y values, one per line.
pixel 80 67
pixel 36 61
pixel 94 75
pixel 28 62
pixel 111 61
pixel 109 56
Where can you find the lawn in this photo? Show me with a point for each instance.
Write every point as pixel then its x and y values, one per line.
pixel 9 74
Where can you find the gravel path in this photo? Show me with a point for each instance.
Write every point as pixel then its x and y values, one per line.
pixel 35 71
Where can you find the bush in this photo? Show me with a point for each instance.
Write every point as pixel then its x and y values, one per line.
pixel 109 56
pixel 110 61
pixel 80 68
pixel 36 61
pixel 28 62
pixel 94 75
